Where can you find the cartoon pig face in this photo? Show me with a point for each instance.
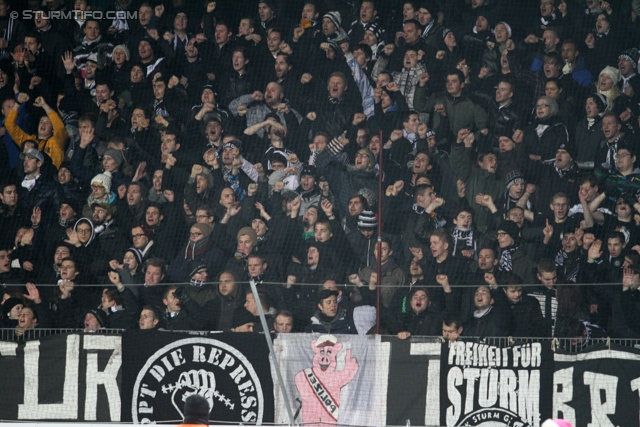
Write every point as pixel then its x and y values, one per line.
pixel 325 356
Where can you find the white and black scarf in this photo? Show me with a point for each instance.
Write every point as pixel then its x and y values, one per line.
pixel 411 136
pixel 506 261
pixel 562 173
pixel 465 237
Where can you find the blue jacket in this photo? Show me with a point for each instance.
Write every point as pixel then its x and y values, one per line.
pixel 580 73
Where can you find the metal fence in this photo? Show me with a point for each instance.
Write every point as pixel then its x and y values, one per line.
pixel 557 344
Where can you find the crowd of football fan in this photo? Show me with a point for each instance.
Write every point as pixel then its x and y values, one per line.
pixel 159 160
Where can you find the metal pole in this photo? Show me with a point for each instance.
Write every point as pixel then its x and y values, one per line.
pixel 379 243
pixel 267 335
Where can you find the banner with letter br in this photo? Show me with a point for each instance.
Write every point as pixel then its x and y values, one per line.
pixel 599 387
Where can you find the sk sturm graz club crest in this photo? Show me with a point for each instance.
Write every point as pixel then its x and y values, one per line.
pixel 319 386
pixel 493 417
pixel 204 366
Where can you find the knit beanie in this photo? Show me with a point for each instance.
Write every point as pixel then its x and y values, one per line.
pixel 141 66
pixel 335 17
pixel 569 148
pixel 205 229
pixel 367 220
pixel 376 29
pixel 511 228
pixel 614 73
pixel 194 266
pixel 196 410
pixel 631 55
pixel 601 101
pixel 370 195
pixel 242 316
pixel 484 12
pixel 116 155
pixel 104 179
pixel 74 203
pixel 8 306
pixel 432 7
pixel 309 170
pixel 100 316
pixel 513 177
pixel 124 49
pixel 507 26
pixel 137 253
pixel 270 3
pixel 248 231
pixel 372 158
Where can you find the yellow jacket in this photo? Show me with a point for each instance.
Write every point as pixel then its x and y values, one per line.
pixel 52 146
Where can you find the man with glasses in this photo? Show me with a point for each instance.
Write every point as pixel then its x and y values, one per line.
pixel 547 132
pixel 625 177
pixel 200 247
pixel 142 237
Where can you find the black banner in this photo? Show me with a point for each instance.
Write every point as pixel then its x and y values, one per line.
pixel 144 376
pixel 71 377
pixel 600 387
pixel 230 370
pixel 488 385
pixel 413 386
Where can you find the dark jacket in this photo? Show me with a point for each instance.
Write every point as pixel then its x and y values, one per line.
pixel 546 144
pixel 527 316
pixel 212 257
pixel 478 181
pixel 588 139
pixel 492 324
pixel 339 324
pixel 427 322
pixel 335 118
pixel 503 122
pixel 46 194
pixel 344 182
pixel 523 266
